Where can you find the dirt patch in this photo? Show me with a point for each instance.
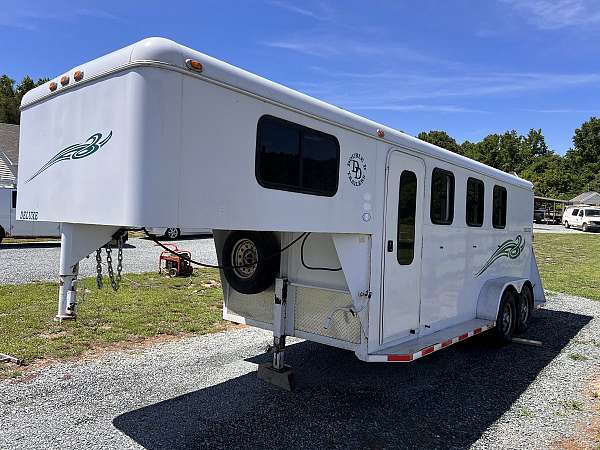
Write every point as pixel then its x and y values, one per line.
pixel 587 435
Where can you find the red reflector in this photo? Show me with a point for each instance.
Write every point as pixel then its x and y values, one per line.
pixel 427 351
pixel 462 337
pixel 399 357
pixel 447 343
pixel 477 331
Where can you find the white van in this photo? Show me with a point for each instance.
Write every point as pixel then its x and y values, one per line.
pixel 585 217
pixel 173 233
pixel 327 226
pixel 10 226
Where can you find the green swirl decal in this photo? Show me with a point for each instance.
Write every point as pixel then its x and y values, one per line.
pixel 509 248
pixel 76 151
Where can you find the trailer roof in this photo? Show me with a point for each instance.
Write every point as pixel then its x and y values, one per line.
pixel 168 54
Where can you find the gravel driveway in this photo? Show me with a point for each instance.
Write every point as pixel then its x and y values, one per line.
pixel 203 392
pixel 25 263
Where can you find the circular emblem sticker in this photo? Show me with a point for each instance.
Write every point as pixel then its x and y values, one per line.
pixel 357 169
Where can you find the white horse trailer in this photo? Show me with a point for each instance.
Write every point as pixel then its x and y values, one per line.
pixel 327 226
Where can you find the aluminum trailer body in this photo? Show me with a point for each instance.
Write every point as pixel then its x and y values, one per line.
pixel 411 247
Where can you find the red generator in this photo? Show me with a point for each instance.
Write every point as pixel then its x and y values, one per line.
pixel 176 263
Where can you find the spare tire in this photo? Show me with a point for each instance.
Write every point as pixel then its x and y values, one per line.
pixel 250 260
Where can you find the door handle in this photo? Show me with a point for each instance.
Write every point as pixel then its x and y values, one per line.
pixel 390 246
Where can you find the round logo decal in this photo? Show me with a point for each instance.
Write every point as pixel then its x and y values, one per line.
pixel 357 169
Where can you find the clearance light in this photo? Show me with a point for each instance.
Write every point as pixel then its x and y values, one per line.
pixel 78 75
pixel 194 65
pixel 64 80
pixel 380 132
pixel 53 86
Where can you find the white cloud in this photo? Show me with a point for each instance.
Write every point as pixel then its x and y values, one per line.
pixel 323 13
pixel 31 19
pixel 557 14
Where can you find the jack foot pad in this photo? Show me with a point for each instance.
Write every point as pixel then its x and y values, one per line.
pixel 283 379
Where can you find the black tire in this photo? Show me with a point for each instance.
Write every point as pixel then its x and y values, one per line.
pixel 505 322
pixel 566 224
pixel 172 233
pixel 524 309
pixel 246 247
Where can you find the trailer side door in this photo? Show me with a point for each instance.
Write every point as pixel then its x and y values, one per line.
pixel 403 244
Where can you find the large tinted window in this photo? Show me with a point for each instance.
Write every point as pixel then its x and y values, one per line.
pixel 475 202
pixel 292 157
pixel 442 197
pixel 499 207
pixel 14 199
pixel 407 201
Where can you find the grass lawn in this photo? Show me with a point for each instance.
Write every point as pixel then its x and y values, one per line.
pixel 146 305
pixel 569 263
pixel 25 240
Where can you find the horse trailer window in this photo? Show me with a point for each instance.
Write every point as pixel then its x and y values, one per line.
pixel 14 199
pixel 407 202
pixel 475 203
pixel 499 207
pixel 291 157
pixel 442 197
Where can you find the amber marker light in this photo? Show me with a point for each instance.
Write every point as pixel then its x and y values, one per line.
pixel 64 80
pixel 194 65
pixel 53 86
pixel 78 75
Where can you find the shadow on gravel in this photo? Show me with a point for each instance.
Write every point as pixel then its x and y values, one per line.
pixel 446 400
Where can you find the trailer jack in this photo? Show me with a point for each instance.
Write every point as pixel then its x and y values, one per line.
pixel 276 372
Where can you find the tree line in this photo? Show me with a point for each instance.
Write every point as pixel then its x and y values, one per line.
pixel 528 156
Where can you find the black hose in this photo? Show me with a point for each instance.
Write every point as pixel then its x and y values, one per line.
pixel 212 266
pixel 328 269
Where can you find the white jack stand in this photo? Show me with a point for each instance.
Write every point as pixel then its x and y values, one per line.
pixel 277 373
pixel 76 242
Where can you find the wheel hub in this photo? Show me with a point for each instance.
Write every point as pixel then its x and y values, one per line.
pixel 244 258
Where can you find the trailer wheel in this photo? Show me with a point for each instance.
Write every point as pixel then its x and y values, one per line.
pixel 524 309
pixel 506 320
pixel 172 233
pixel 243 248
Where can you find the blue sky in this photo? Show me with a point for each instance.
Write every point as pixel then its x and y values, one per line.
pixel 465 66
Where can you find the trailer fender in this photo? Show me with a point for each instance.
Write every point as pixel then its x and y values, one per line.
pixel 490 295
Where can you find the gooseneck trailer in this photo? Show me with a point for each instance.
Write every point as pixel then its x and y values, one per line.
pixel 327 226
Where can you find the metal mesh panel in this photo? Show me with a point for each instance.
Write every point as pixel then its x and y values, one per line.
pixel 252 306
pixel 314 306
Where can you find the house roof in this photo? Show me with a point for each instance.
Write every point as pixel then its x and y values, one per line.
pixel 587 197
pixel 9 153
pixel 9 141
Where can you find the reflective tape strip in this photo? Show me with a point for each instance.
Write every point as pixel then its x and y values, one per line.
pixel 430 349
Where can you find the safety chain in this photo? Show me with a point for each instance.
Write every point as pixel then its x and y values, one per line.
pixel 115 281
pixel 99 269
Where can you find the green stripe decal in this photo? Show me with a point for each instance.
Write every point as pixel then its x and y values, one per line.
pixel 76 151
pixel 510 248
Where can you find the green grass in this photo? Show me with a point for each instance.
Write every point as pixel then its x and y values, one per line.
pixel 146 305
pixel 569 263
pixel 578 357
pixel 25 240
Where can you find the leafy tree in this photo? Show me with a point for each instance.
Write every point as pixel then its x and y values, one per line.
pixel 11 96
pixel 441 139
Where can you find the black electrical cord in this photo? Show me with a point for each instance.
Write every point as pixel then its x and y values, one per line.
pixel 212 266
pixel 328 269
